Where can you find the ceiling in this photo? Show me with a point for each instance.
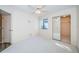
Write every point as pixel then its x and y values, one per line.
pixel 46 8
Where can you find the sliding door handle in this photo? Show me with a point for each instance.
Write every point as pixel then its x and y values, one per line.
pixel 10 30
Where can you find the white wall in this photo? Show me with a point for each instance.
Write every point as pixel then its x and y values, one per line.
pixel 44 32
pixel 23 24
pixel 78 27
pixel 72 12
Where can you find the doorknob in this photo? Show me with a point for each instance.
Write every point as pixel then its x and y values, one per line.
pixel 10 30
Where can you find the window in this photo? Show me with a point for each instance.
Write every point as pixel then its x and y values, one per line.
pixel 44 24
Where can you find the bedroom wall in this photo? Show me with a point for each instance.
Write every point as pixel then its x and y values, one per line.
pixel 78 27
pixel 72 11
pixel 44 32
pixel 23 24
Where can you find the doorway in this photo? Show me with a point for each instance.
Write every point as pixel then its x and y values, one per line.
pixel 65 28
pixel 5 30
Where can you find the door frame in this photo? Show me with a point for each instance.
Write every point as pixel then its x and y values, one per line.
pixel 60 27
pixel 2 12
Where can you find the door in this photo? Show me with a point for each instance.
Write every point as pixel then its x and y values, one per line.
pixel 0 30
pixel 56 28
pixel 65 28
pixel 6 32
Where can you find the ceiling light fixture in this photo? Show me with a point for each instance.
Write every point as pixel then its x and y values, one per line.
pixel 38 11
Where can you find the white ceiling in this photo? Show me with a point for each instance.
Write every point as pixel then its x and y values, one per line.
pixel 47 8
